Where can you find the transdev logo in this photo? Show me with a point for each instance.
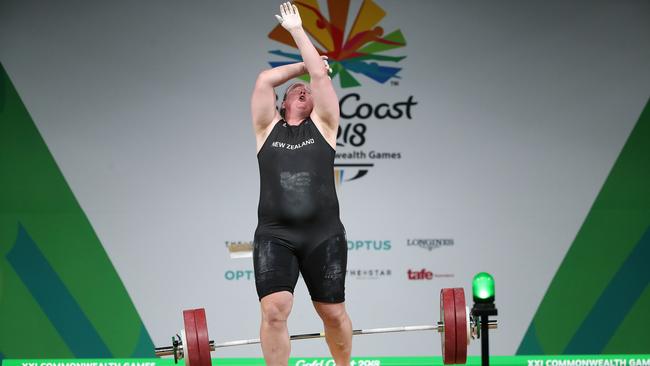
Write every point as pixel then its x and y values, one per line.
pixel 359 52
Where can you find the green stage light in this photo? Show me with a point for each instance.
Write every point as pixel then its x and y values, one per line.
pixel 483 287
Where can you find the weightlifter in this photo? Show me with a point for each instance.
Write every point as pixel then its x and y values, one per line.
pixel 299 230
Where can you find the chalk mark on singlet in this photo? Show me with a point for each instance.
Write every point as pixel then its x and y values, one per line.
pixel 298 182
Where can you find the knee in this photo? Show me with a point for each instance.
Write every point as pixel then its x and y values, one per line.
pixel 334 316
pixel 276 311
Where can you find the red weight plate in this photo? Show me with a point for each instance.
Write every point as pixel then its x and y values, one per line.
pixel 202 337
pixel 191 349
pixel 461 325
pixel 448 314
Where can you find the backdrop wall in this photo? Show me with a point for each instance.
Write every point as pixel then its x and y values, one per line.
pixel 486 134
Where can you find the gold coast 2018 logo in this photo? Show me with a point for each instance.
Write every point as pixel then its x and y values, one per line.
pixel 362 52
pixel 359 52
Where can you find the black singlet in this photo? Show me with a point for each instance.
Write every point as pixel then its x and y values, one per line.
pixel 298 202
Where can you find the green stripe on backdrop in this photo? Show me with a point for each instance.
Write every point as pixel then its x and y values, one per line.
pixel 40 215
pixel 590 285
pixel 44 285
pixel 615 302
pixel 632 335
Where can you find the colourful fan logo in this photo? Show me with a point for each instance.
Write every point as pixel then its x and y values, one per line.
pixel 359 52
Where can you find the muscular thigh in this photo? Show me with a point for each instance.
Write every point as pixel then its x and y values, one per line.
pixel 276 266
pixel 323 270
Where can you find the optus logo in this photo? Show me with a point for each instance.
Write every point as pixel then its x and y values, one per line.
pixel 369 245
pixel 238 275
pixel 359 52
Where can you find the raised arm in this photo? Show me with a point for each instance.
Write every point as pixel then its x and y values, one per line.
pixel 263 108
pixel 326 104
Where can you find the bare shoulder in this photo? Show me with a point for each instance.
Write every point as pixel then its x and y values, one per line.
pixel 261 134
pixel 328 130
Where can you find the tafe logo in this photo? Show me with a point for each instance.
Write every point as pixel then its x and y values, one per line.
pixel 422 274
pixel 425 274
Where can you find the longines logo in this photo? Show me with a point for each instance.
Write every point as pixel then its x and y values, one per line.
pixel 425 274
pixel 429 244
pixel 369 274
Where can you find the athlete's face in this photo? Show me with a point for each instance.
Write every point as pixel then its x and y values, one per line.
pixel 299 99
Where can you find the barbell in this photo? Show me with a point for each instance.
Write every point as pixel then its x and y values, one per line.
pixel 456 325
